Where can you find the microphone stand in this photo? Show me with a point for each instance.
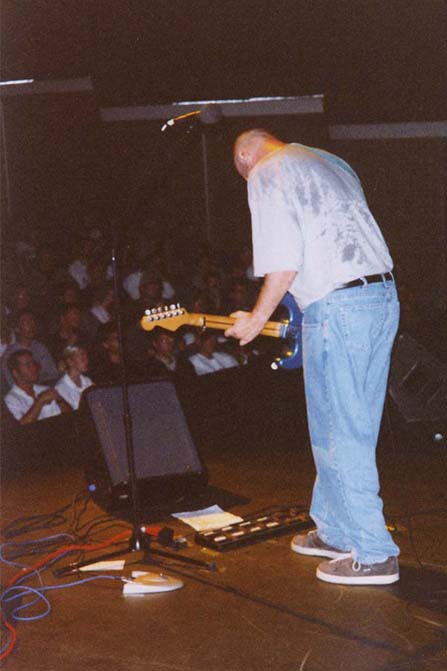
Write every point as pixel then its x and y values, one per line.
pixel 139 540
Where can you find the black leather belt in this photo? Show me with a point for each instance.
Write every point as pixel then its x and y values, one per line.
pixel 369 279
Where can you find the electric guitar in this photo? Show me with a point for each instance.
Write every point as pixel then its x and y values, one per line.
pixel 173 317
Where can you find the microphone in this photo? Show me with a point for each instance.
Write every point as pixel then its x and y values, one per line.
pixel 209 114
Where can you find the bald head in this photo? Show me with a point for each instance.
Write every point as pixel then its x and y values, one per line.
pixel 251 146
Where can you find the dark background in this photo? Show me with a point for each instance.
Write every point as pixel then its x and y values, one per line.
pixel 374 61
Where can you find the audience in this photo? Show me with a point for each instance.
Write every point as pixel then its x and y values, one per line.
pixel 26 400
pixel 74 342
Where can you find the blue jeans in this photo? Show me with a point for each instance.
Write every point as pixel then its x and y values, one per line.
pixel 347 340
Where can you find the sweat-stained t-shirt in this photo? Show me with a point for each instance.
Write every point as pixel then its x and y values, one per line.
pixel 309 214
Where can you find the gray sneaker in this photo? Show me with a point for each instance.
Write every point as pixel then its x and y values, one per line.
pixel 351 572
pixel 311 544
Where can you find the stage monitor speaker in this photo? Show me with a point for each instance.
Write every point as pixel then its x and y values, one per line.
pixel 418 382
pixel 167 464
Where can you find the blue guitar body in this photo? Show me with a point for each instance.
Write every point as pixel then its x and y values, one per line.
pixel 292 331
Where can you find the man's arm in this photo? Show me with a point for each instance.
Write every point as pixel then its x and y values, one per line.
pixel 249 324
pixel 33 413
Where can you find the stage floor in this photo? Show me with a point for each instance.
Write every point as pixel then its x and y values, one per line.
pixel 263 608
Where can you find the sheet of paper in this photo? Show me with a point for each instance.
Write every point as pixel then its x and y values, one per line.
pixel 208 518
pixel 114 565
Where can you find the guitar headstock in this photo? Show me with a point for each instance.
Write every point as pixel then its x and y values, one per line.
pixel 170 317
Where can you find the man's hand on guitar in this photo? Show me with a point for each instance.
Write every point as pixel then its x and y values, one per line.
pixel 246 327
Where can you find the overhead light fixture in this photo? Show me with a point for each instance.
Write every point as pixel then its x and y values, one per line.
pixel 16 82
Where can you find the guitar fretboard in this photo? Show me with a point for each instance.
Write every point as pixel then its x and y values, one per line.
pixel 218 322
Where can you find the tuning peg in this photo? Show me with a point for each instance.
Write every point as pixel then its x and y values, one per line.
pixel 147 312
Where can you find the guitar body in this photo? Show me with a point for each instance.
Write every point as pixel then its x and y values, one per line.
pixel 173 317
pixel 294 358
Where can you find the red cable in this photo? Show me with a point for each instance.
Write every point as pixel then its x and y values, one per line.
pixel 123 535
pixel 13 640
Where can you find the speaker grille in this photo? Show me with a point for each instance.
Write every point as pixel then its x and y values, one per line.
pixel 162 442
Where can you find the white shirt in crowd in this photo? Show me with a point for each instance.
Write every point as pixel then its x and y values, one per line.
pixel 79 272
pixel 309 214
pixel 218 361
pixel 100 313
pixel 70 391
pixel 18 403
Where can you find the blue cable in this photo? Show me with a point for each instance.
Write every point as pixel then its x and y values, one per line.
pixel 19 591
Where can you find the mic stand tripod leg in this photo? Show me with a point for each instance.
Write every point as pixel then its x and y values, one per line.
pixel 210 566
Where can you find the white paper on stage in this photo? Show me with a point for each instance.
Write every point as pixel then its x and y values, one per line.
pixel 208 518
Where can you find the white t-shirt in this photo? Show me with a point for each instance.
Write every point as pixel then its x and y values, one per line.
pixel 79 272
pixel 218 361
pixel 309 214
pixel 70 391
pixel 18 402
pixel 101 314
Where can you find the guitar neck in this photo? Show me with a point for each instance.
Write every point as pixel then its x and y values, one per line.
pixel 221 323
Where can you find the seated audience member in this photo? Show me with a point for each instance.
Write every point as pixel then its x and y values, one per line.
pixel 25 329
pixel 213 293
pixel 99 313
pixel 73 383
pixel 239 297
pixel 152 265
pixel 165 360
pixel 79 268
pixel 106 361
pixel 207 360
pixel 245 259
pixel 69 294
pixel 67 333
pixel 203 267
pixel 26 400
pixel 7 336
pixel 151 289
pixel 21 300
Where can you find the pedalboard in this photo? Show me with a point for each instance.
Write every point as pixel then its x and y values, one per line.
pixel 256 527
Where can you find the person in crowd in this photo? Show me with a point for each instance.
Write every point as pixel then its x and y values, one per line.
pixel 245 259
pixel 106 360
pixel 239 297
pixel 204 266
pixel 213 293
pixel 69 294
pixel 151 290
pixel 26 400
pixel 153 265
pixel 313 234
pixel 79 268
pixel 25 331
pixel 208 360
pixel 166 359
pixel 7 335
pixel 68 332
pixel 101 311
pixel 20 300
pixel 74 381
